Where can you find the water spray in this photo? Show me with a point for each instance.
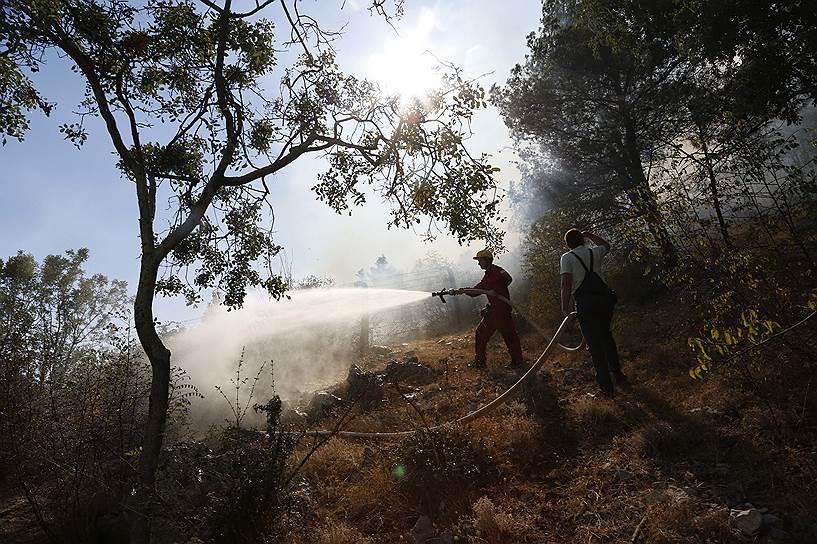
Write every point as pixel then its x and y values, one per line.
pixel 498 401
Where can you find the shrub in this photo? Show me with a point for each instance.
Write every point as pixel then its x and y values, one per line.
pixel 437 463
pixel 256 486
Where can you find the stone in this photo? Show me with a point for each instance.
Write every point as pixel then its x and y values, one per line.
pixel 363 387
pixel 411 371
pixel 321 404
pixel 380 350
pixel 291 416
pixel 423 530
pixel 748 522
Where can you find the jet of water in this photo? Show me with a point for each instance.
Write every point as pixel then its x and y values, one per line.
pixel 309 338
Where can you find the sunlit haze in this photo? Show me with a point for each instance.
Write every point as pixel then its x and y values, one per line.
pixel 407 64
pixel 58 197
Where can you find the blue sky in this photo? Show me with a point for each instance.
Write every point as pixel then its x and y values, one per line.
pixel 57 198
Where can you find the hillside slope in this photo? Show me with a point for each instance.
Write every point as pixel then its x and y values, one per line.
pixel 665 461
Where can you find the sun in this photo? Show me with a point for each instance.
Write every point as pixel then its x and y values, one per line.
pixel 406 65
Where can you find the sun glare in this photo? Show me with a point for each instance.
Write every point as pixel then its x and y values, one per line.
pixel 406 65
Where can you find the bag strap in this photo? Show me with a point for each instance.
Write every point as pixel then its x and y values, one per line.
pixel 586 270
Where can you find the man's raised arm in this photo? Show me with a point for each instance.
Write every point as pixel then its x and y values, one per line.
pixel 598 240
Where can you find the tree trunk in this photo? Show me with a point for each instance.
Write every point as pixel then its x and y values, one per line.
pixel 713 189
pixel 159 356
pixel 643 198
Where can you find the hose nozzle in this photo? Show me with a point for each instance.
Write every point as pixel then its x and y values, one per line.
pixel 443 293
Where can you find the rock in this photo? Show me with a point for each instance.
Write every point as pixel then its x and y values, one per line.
pixel 411 371
pixel 380 350
pixel 291 416
pixel 363 387
pixel 321 404
pixel 423 530
pixel 748 522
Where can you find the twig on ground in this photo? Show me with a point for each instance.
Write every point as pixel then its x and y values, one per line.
pixel 638 528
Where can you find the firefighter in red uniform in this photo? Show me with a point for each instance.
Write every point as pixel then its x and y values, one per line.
pixel 497 316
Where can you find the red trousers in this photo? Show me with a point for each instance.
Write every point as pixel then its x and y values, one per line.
pixel 502 322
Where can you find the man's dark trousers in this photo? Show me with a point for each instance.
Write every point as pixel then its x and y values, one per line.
pixel 502 322
pixel 596 330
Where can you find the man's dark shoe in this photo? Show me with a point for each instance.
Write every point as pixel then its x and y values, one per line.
pixel 620 379
pixel 515 365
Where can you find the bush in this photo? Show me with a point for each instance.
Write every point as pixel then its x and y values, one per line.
pixel 442 462
pixel 240 492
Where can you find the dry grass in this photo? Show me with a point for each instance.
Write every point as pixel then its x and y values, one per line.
pixel 494 525
pixel 600 419
pixel 339 532
pixel 512 435
pixel 594 489
pixel 675 518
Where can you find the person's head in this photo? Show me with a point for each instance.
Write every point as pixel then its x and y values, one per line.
pixel 484 258
pixel 574 238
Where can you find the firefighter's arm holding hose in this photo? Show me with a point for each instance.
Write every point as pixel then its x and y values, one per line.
pixel 472 291
pixel 485 287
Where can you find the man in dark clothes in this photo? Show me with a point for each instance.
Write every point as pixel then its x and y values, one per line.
pixel 583 280
pixel 498 317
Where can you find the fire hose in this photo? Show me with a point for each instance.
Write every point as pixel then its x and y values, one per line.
pixel 494 404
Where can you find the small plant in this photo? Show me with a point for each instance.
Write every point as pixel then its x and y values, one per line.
pixel 236 407
pixel 434 463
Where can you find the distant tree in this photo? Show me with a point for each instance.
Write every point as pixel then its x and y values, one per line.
pixel 184 91
pixel 52 311
pixel 314 282
pixel 71 395
pixel 382 273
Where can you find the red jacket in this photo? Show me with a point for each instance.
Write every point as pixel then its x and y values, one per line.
pixel 496 279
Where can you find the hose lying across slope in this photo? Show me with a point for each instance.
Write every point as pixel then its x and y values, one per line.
pixel 491 406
